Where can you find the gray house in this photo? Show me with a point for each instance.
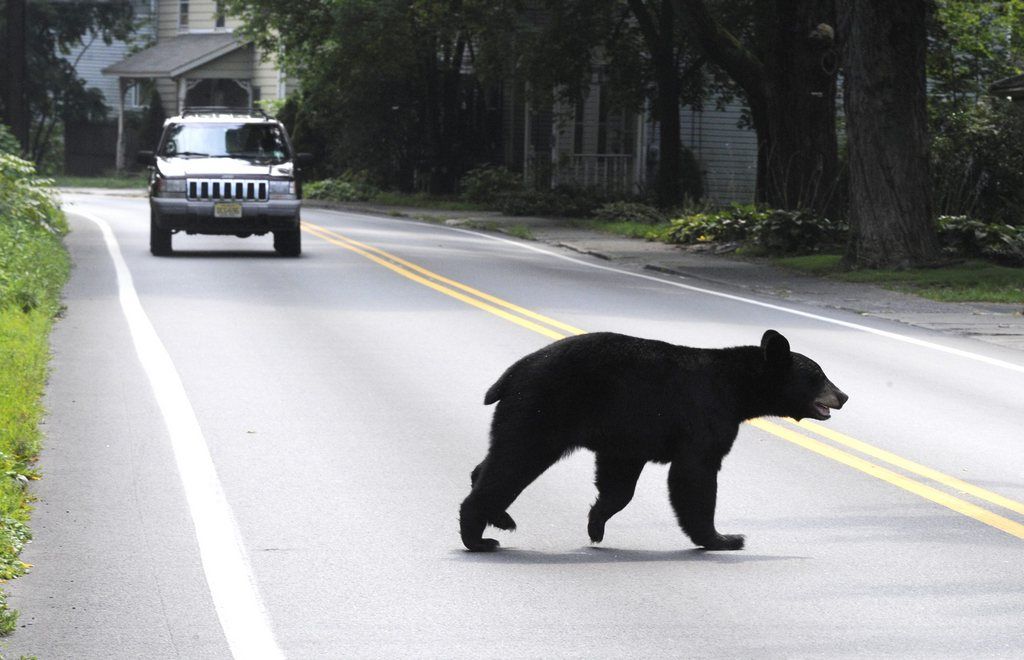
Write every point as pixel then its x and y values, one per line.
pixel 593 145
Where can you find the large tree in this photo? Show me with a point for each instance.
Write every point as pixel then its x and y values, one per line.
pixel 781 54
pixel 34 104
pixel 887 130
pixel 386 83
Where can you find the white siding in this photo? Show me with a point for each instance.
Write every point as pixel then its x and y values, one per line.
pixel 726 153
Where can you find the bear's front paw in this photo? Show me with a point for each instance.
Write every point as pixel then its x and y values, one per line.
pixel 724 542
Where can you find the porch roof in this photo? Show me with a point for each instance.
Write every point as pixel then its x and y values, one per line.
pixel 170 58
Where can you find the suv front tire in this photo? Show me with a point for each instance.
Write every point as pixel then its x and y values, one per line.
pixel 159 239
pixel 288 243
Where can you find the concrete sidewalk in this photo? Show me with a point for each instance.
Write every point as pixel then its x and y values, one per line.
pixel 1000 324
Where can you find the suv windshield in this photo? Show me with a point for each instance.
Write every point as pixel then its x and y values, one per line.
pixel 263 142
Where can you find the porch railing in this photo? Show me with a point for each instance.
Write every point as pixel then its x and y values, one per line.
pixel 606 172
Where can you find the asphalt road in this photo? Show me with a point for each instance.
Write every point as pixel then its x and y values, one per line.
pixel 266 457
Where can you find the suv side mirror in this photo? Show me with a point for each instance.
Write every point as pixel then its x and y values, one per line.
pixel 303 159
pixel 145 158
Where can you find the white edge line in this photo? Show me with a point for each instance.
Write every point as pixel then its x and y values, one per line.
pixel 995 362
pixel 236 597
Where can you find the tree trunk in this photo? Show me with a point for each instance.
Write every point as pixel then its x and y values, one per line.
pixel 890 192
pixel 658 29
pixel 15 98
pixel 798 138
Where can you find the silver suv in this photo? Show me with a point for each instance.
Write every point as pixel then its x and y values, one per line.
pixel 221 172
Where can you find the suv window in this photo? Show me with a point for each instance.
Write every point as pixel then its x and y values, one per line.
pixel 262 142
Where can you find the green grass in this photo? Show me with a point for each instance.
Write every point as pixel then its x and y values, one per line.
pixel 33 269
pixel 968 281
pixel 136 180
pixel 630 229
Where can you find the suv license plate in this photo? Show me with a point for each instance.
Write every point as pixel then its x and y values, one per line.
pixel 227 210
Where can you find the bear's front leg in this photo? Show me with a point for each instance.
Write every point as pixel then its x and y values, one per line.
pixel 693 491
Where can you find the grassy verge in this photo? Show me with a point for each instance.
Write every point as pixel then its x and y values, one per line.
pixel 33 268
pixel 968 281
pixel 136 180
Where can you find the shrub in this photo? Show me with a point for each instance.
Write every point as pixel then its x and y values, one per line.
pixel 347 188
pixel 629 212
pixel 732 224
pixel 963 236
pixel 33 264
pixel 487 184
pixel 8 143
pixel 775 230
pixel 978 162
pixel 562 201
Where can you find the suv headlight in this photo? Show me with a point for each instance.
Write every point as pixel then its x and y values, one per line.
pixel 164 185
pixel 282 187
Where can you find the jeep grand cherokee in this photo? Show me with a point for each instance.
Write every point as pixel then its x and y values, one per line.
pixel 220 172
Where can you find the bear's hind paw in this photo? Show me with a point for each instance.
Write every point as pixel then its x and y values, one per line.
pixel 724 542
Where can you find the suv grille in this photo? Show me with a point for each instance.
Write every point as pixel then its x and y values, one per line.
pixel 234 189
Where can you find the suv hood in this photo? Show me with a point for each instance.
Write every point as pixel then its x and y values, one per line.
pixel 221 167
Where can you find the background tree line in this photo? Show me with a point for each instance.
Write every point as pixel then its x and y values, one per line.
pixel 408 92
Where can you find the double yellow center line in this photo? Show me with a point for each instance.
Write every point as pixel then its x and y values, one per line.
pixel 796 432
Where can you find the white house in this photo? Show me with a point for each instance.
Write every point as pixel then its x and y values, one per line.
pixel 196 60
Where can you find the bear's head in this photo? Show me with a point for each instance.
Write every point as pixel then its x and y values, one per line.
pixel 800 387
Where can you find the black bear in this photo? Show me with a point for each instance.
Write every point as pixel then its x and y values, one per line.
pixel 631 401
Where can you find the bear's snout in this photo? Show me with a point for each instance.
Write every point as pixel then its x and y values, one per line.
pixel 831 398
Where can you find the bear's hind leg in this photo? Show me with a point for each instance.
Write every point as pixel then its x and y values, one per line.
pixel 498 483
pixel 693 490
pixel 616 482
pixel 502 520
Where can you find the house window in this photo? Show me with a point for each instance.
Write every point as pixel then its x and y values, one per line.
pixel 183 16
pixel 218 14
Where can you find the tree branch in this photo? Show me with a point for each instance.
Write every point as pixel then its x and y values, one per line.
pixel 722 47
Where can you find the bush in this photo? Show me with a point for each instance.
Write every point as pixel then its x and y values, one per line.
pixel 33 264
pixel 563 201
pixel 775 230
pixel 487 184
pixel 978 162
pixel 966 237
pixel 347 188
pixel 8 143
pixel 629 212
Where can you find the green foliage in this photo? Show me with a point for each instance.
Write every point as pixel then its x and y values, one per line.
pixel 346 188
pixel 488 183
pixel 563 202
pixel 8 143
pixel 33 264
pixel 54 91
pixel 978 162
pixel 965 237
pixel 973 43
pixel 33 269
pixel 774 230
pixel 629 212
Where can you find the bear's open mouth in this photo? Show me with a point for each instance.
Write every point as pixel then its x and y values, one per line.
pixel 824 412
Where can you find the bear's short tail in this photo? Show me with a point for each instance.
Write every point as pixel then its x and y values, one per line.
pixel 496 391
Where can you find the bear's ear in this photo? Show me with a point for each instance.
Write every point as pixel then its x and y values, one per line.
pixel 775 348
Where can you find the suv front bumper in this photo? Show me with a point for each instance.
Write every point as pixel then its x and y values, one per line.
pixel 198 216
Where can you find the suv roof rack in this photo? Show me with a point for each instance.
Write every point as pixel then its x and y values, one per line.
pixel 223 110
